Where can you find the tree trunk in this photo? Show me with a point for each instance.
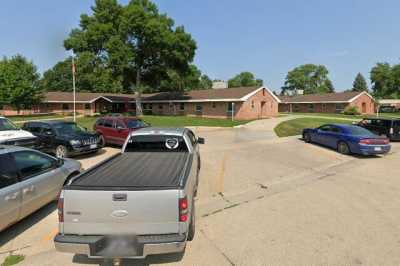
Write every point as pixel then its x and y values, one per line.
pixel 139 111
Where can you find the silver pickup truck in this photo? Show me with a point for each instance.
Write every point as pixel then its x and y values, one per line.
pixel 137 203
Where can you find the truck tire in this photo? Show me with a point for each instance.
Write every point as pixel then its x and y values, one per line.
pixel 192 226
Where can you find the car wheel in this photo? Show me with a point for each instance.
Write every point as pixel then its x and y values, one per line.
pixel 307 137
pixel 61 151
pixel 102 141
pixel 192 226
pixel 343 148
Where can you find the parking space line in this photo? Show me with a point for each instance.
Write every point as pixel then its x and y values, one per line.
pixel 50 236
pixel 220 179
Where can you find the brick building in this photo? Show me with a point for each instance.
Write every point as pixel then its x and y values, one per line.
pixel 328 103
pixel 243 103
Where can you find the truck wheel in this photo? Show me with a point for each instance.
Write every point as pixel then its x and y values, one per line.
pixel 192 226
pixel 61 152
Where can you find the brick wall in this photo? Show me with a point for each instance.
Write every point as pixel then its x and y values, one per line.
pixel 364 104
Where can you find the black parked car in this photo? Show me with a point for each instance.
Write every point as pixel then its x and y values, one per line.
pixel 62 138
pixel 383 127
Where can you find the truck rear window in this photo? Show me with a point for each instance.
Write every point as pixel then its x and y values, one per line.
pixel 156 143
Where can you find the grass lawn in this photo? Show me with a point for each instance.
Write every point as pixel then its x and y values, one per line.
pixel 12 260
pixel 295 126
pixel 172 121
pixel 20 118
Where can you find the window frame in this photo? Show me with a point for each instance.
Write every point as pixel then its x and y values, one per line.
pixel 198 110
pixel 14 171
pixel 339 110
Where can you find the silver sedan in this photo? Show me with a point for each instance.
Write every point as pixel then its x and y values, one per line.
pixel 29 180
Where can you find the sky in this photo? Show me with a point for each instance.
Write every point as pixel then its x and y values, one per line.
pixel 266 37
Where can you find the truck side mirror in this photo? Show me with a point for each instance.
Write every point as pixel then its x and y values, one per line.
pixel 201 140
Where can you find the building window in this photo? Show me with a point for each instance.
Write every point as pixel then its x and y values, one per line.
pixel 132 106
pixel 324 107
pixel 252 104
pixel 65 106
pixel 339 107
pixel 311 107
pixel 263 92
pixel 231 108
pixel 296 108
pixel 214 105
pixel 160 106
pixel 87 106
pixel 182 106
pixel 199 109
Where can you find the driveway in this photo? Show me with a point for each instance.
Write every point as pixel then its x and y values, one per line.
pixel 268 201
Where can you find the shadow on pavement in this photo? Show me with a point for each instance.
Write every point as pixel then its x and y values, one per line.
pixel 23 225
pixel 358 156
pixel 150 260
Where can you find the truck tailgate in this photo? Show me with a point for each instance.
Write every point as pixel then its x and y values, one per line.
pixel 139 212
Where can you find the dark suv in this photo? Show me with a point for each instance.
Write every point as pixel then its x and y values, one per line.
pixel 62 138
pixel 382 126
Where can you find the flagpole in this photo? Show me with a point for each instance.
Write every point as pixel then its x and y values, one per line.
pixel 73 86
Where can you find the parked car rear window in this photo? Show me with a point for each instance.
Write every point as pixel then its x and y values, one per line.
pixel 359 131
pixel 6 124
pixel 156 143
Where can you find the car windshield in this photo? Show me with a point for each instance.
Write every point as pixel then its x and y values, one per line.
pixel 133 123
pixel 6 124
pixel 68 128
pixel 359 131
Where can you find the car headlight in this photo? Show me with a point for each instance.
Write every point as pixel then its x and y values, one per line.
pixel 75 142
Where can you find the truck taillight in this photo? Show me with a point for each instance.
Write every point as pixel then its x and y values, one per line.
pixel 183 209
pixel 60 208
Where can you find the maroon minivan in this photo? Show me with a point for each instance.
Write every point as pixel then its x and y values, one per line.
pixel 115 129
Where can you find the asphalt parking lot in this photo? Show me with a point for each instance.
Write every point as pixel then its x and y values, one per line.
pixel 264 201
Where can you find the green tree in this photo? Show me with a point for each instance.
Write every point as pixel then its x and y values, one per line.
pixel 19 81
pixel 309 78
pixel 360 84
pixel 136 42
pixel 244 79
pixel 91 76
pixel 205 82
pixel 329 86
pixel 192 79
pixel 383 79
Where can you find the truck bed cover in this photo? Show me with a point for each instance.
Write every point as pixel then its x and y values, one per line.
pixel 136 170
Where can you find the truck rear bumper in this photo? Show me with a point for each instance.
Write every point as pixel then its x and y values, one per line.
pixel 101 247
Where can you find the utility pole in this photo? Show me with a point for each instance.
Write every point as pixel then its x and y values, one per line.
pixel 73 85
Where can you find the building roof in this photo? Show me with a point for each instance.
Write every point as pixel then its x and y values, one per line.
pixel 389 101
pixel 231 94
pixel 85 97
pixel 340 97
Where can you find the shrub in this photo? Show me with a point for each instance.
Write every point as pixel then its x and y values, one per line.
pixel 351 110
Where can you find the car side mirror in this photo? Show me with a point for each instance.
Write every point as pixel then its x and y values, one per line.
pixel 201 140
pixel 59 162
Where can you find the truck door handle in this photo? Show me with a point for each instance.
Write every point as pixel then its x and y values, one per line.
pixel 12 196
pixel 119 197
pixel 28 189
